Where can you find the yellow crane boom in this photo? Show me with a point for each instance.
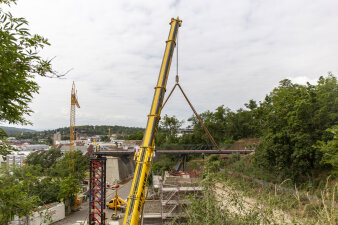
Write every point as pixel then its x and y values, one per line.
pixel 144 158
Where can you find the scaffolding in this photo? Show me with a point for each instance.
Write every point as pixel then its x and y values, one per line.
pixel 168 198
pixel 97 191
pixel 173 199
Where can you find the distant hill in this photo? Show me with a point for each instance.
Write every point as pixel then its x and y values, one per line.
pixel 14 130
pixel 97 130
pixel 86 130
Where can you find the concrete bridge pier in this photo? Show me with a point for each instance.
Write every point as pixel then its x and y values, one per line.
pixel 119 168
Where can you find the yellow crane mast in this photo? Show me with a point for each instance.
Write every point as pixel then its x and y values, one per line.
pixel 73 103
pixel 144 158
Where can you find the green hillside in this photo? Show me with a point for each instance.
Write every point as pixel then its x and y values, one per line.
pixel 14 130
pixel 86 130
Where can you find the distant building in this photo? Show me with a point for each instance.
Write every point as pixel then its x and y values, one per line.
pixel 32 148
pixel 17 158
pixel 56 138
pixel 11 139
pixel 183 131
pixel 43 140
pixel 83 147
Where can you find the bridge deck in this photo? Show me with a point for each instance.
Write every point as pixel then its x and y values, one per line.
pixel 177 152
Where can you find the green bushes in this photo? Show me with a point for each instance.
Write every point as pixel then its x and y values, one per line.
pixel 296 117
pixel 330 150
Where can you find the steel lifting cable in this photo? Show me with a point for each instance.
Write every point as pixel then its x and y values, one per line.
pixel 185 96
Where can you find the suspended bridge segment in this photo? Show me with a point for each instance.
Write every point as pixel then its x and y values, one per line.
pixel 120 153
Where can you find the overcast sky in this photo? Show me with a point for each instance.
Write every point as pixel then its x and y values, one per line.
pixel 229 52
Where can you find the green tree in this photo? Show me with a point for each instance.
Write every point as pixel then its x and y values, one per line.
pixel 20 63
pixel 136 136
pixel 69 186
pixel 105 139
pixel 14 201
pixel 168 130
pixel 296 117
pixel 5 148
pixel 44 159
pixel 330 150
pixel 63 167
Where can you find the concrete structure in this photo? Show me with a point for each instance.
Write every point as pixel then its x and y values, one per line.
pixel 45 215
pixel 119 169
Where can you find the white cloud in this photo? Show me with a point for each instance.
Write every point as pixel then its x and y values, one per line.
pixel 229 52
pixel 302 80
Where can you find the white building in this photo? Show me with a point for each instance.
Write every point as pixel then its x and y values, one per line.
pixel 17 158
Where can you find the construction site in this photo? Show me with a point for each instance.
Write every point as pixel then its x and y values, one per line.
pixel 271 162
pixel 166 200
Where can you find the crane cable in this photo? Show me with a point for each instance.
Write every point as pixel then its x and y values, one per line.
pixel 185 96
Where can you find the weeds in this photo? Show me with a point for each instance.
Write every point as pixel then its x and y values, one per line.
pixel 232 199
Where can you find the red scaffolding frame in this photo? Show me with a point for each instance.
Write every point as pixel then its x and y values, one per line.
pixel 97 191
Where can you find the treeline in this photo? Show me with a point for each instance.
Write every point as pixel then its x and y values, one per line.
pixel 86 130
pixel 14 130
pixel 295 124
pixel 99 130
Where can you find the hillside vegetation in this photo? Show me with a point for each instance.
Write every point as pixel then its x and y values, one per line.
pixel 86 130
pixel 14 130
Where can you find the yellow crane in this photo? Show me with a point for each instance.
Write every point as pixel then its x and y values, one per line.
pixel 144 157
pixel 73 103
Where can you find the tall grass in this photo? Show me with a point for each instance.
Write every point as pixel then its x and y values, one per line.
pixel 232 199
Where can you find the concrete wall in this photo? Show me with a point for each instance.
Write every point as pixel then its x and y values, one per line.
pixel 53 213
pixel 119 168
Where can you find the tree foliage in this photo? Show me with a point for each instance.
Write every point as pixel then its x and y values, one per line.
pixel 45 159
pixel 5 148
pixel 63 168
pixel 168 129
pixel 105 139
pixel 330 150
pixel 14 200
pixel 136 136
pixel 20 63
pixel 296 117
